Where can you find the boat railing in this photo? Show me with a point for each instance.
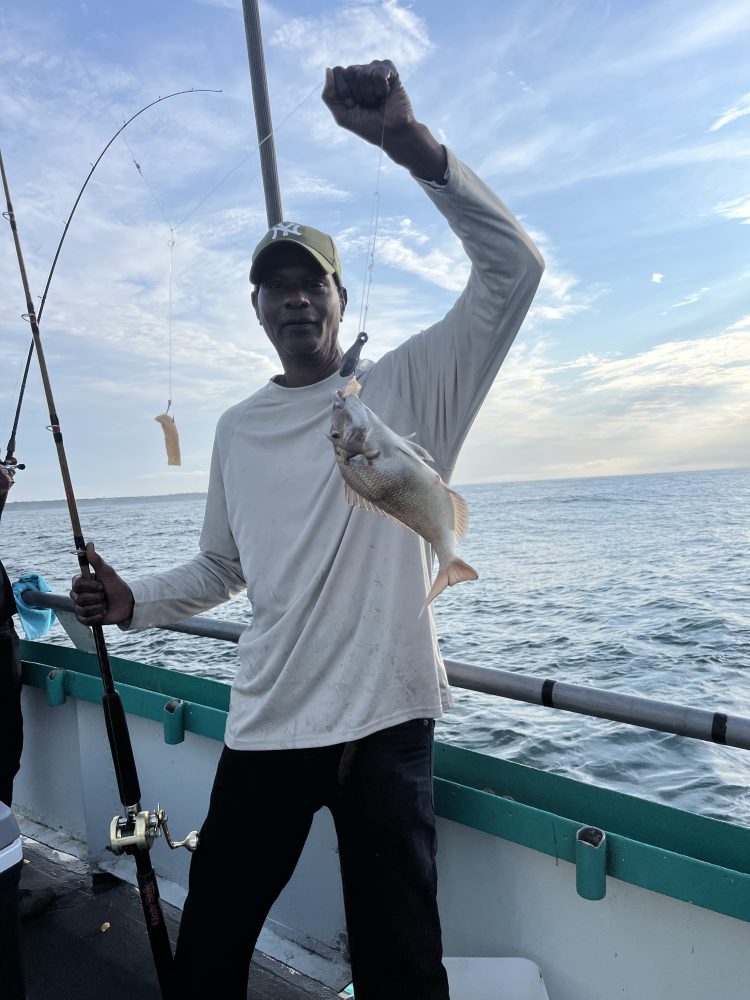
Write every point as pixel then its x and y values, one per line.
pixel 649 713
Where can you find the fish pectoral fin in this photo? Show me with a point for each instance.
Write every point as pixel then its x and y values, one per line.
pixel 460 514
pixel 414 450
pixel 457 571
pixel 357 500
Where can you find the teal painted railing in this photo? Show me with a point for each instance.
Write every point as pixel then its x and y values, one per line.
pixel 669 851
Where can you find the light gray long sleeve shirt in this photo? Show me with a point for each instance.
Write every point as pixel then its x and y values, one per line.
pixel 338 647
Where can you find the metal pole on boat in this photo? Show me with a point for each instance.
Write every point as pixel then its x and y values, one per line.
pixel 114 713
pixel 262 111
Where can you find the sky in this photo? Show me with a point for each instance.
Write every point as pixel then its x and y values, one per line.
pixel 618 133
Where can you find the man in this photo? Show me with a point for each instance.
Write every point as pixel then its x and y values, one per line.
pixel 340 677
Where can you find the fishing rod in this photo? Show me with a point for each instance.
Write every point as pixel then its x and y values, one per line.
pixel 133 832
pixel 9 461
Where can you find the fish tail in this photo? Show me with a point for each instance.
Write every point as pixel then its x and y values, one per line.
pixel 455 572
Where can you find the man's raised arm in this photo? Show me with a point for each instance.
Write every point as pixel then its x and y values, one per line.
pixel 444 373
pixel 371 102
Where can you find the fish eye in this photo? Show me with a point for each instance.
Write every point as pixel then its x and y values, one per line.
pixel 334 433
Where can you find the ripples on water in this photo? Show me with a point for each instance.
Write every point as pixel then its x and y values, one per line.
pixel 637 584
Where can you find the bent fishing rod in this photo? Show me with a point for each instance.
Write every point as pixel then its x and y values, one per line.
pixel 9 461
pixel 135 830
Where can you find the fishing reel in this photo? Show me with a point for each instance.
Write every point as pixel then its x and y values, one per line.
pixel 11 466
pixel 137 831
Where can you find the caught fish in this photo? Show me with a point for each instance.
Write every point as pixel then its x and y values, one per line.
pixel 387 473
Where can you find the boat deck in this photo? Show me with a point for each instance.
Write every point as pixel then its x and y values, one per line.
pixel 92 942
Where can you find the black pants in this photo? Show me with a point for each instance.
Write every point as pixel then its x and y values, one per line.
pixel 11 724
pixel 381 802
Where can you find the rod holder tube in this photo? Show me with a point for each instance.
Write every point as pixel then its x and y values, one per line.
pixel 174 722
pixel 56 693
pixel 591 863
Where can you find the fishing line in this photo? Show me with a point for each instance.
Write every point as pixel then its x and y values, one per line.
pixel 252 153
pixel 243 141
pixel 351 358
pixel 166 420
pixel 371 239
pixel 171 262
pixel 12 398
pixel 110 112
pixel 138 167
pixel 247 143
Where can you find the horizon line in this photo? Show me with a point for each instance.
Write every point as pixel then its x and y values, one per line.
pixel 482 482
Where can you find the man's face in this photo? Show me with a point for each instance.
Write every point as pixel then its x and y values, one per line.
pixel 299 307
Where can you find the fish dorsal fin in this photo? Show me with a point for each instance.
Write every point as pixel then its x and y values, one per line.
pixel 460 514
pixel 354 498
pixel 414 450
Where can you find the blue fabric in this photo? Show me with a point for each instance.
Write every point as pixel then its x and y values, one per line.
pixel 36 622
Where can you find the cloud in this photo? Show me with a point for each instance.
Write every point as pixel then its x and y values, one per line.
pixel 398 246
pixel 741 324
pixel 304 183
pixel 657 278
pixel 402 246
pixel 689 300
pixel 440 267
pixel 667 34
pixel 353 32
pixel 708 362
pixel 737 208
pixel 738 110
pixel 560 294
pixel 539 147
pixel 678 405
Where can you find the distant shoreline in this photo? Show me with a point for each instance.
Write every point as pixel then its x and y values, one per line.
pixel 171 497
pixel 93 501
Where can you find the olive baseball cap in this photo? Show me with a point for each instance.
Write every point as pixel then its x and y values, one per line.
pixel 319 245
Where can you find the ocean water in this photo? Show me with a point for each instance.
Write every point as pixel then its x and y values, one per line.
pixel 638 584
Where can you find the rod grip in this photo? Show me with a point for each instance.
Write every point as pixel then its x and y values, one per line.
pixel 122 749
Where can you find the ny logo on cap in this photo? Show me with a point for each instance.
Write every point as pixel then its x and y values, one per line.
pixel 285 229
